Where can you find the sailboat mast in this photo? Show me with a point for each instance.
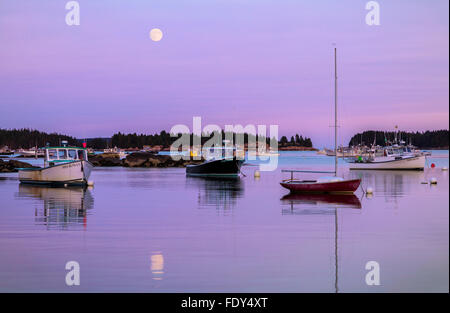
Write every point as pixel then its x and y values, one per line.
pixel 335 115
pixel 336 269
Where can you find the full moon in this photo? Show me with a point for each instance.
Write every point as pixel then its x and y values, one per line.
pixel 156 34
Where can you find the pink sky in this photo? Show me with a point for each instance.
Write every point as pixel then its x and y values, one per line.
pixel 230 62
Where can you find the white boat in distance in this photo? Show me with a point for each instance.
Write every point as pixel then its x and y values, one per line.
pixel 62 165
pixel 394 158
pixel 116 150
pixel 31 152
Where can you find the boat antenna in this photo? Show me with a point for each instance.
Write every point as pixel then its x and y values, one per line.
pixel 335 113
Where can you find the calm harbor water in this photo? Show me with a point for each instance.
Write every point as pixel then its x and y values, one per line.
pixel 156 230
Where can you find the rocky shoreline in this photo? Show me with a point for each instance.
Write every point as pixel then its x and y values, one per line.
pixel 139 159
pixel 136 159
pixel 12 165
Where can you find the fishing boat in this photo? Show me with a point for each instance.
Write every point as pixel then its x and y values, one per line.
pixel 223 167
pixel 63 165
pixel 393 158
pixel 332 185
pixel 117 151
pixel 220 162
pixel 33 152
pixel 396 155
pixel 343 152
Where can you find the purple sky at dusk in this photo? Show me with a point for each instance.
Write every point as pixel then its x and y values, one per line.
pixel 228 61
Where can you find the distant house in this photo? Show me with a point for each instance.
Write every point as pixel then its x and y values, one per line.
pixel 4 149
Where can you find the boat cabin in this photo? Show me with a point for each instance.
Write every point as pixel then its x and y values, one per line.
pixel 393 150
pixel 57 155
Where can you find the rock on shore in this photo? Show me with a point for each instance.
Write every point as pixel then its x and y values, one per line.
pixel 138 159
pixel 11 165
pixel 144 159
pixel 105 159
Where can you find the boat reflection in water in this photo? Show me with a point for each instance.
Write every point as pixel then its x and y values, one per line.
pixel 392 184
pixel 63 208
pixel 319 203
pixel 324 204
pixel 220 193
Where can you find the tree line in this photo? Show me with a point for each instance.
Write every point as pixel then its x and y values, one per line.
pixel 165 139
pixel 297 141
pixel 26 138
pixel 423 140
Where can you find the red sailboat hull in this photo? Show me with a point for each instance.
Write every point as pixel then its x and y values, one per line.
pixel 343 186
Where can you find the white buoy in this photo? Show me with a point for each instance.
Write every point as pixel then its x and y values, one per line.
pixel 90 183
pixel 445 168
pixel 369 190
pixel 433 181
pixel 257 174
pixel 65 185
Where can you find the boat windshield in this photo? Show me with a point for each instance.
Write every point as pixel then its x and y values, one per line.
pixel 66 154
pixel 82 155
pixel 62 154
pixel 394 151
pixel 51 154
pixel 72 153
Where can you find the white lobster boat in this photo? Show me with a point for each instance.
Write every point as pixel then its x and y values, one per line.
pixel 394 158
pixel 62 165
